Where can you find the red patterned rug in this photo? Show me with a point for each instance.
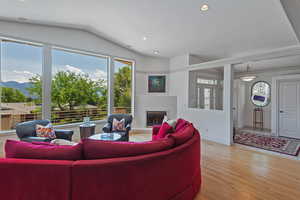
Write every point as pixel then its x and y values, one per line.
pixel 278 144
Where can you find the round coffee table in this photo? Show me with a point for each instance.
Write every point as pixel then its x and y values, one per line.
pixel 106 137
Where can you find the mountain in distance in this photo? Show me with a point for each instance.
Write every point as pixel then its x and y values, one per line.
pixel 19 86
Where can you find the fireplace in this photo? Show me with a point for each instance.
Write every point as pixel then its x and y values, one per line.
pixel 155 117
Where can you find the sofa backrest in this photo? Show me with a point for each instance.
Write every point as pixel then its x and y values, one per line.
pixel 27 129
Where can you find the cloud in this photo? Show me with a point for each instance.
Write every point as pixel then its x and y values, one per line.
pixel 99 74
pixel 18 76
pixel 74 69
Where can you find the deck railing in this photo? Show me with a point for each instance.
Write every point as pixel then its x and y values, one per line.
pixel 9 121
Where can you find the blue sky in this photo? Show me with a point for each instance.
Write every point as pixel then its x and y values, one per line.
pixel 20 62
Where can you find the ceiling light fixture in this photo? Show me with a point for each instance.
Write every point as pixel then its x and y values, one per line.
pixel 156 52
pixel 248 77
pixel 145 38
pixel 204 7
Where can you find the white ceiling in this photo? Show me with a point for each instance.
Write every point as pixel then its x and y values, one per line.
pixel 174 27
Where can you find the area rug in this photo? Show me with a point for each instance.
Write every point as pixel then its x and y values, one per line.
pixel 278 144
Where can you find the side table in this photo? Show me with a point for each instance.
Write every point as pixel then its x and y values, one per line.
pixel 86 130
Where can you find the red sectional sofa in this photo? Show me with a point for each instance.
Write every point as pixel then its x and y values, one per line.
pixel 172 174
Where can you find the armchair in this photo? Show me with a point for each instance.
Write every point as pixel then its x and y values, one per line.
pixel 128 120
pixel 26 132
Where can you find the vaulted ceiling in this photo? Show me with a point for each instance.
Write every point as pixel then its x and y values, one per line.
pixel 173 27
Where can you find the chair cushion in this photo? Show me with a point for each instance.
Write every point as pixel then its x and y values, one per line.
pixel 183 135
pixel 164 130
pixel 180 124
pixel 97 149
pixel 39 150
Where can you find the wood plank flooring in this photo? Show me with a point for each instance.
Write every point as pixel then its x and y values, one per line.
pixel 237 173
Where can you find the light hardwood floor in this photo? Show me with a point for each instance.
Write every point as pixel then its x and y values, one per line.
pixel 237 173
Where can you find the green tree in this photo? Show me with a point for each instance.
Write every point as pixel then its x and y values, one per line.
pixel 69 89
pixel 11 95
pixel 122 87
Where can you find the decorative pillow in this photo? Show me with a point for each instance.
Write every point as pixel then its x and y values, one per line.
pixel 180 124
pixel 164 130
pixel 26 150
pixel 171 122
pixel 118 125
pixel 183 135
pixel 98 149
pixel 45 131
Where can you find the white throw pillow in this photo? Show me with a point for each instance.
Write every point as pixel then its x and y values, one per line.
pixel 171 122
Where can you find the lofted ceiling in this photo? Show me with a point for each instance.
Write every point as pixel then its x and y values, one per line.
pixel 173 27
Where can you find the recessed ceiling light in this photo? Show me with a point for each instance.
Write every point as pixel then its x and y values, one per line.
pixel 204 7
pixel 22 0
pixel 156 52
pixel 145 38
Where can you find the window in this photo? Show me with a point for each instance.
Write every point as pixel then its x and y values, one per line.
pixel 75 82
pixel 21 66
pixel 206 89
pixel 122 86
pixel 261 94
pixel 79 87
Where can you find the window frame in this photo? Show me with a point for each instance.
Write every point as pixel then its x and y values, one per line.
pixel 47 76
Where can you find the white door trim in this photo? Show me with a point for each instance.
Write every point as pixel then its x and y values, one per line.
pixel 275 100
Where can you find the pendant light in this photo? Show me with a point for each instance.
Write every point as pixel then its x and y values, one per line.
pixel 248 77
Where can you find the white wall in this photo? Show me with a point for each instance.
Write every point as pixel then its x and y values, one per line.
pixel 214 125
pixel 82 40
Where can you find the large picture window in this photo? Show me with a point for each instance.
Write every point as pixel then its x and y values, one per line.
pixel 21 65
pixel 77 84
pixel 79 87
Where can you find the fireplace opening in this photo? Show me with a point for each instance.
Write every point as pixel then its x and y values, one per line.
pixel 155 117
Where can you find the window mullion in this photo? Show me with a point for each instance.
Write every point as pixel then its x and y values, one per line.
pixel 110 86
pixel 46 82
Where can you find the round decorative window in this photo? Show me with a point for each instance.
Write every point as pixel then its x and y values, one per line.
pixel 261 93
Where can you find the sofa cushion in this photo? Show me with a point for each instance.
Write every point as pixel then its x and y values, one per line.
pixel 183 135
pixel 164 130
pixel 180 124
pixel 97 149
pixel 26 150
